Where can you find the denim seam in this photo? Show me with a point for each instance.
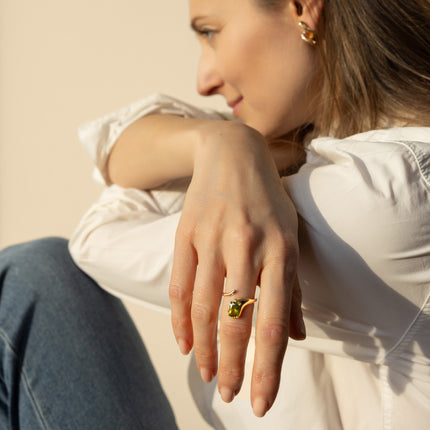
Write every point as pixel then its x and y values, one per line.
pixel 36 408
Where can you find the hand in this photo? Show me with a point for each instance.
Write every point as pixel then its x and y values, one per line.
pixel 238 225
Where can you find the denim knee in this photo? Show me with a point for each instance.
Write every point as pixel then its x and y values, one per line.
pixel 83 359
pixel 32 254
pixel 42 271
pixel 35 265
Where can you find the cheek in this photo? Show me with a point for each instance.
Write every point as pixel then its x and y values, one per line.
pixel 234 60
pixel 290 81
pixel 241 55
pixel 274 60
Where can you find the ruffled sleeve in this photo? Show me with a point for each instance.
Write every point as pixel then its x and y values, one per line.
pixel 99 136
pixel 125 241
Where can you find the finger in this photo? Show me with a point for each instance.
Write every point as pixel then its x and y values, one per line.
pixel 297 324
pixel 181 291
pixel 204 313
pixel 272 331
pixel 235 332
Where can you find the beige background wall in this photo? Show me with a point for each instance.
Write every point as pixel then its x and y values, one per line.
pixel 63 63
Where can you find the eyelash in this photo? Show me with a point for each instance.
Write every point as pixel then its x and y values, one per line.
pixel 206 33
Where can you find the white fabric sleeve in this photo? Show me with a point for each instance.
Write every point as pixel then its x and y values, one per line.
pixel 125 241
pixel 99 136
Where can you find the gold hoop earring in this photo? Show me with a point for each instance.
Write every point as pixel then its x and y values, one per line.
pixel 308 35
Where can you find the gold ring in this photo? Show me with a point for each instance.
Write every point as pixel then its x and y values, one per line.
pixel 230 293
pixel 236 307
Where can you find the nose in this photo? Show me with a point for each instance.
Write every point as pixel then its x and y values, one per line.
pixel 209 79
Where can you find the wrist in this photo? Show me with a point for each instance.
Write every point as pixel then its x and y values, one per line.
pixel 227 137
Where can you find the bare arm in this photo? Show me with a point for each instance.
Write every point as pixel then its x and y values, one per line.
pixel 158 148
pixel 153 150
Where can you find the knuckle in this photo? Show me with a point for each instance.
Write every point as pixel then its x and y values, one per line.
pixel 282 253
pixel 244 235
pixel 204 354
pixel 180 325
pixel 239 332
pixel 177 293
pixel 284 241
pixel 184 232
pixel 207 236
pixel 203 314
pixel 285 249
pixel 231 374
pixel 275 332
pixel 266 377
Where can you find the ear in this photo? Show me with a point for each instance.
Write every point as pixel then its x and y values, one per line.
pixel 308 11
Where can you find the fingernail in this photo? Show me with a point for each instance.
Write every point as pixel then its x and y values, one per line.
pixel 206 374
pixel 260 407
pixel 226 394
pixel 184 347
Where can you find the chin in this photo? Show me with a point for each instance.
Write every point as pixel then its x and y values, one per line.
pixel 263 129
pixel 270 129
pixel 271 132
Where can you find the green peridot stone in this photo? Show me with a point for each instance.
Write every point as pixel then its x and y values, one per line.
pixel 234 308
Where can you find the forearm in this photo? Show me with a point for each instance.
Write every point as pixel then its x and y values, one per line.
pixel 158 148
pixel 154 150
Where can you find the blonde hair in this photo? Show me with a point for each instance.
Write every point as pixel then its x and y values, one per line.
pixel 375 58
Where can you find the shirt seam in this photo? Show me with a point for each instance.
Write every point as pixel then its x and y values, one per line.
pixel 412 150
pixel 387 400
pixel 415 324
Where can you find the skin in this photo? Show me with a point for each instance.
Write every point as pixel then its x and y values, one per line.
pixel 258 62
pixel 238 224
pixel 256 57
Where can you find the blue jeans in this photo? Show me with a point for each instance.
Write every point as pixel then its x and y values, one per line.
pixel 70 355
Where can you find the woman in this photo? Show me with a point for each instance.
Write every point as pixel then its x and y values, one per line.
pixel 359 72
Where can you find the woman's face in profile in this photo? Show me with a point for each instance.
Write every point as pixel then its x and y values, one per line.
pixel 256 60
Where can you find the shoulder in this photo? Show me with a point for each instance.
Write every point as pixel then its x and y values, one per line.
pixel 370 191
pixel 383 166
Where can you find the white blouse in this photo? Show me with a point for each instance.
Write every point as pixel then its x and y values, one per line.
pixel 364 206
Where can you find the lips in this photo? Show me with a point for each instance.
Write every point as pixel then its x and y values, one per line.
pixel 231 103
pixel 235 105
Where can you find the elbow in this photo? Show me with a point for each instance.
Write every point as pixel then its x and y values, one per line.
pixel 126 172
pixel 115 172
